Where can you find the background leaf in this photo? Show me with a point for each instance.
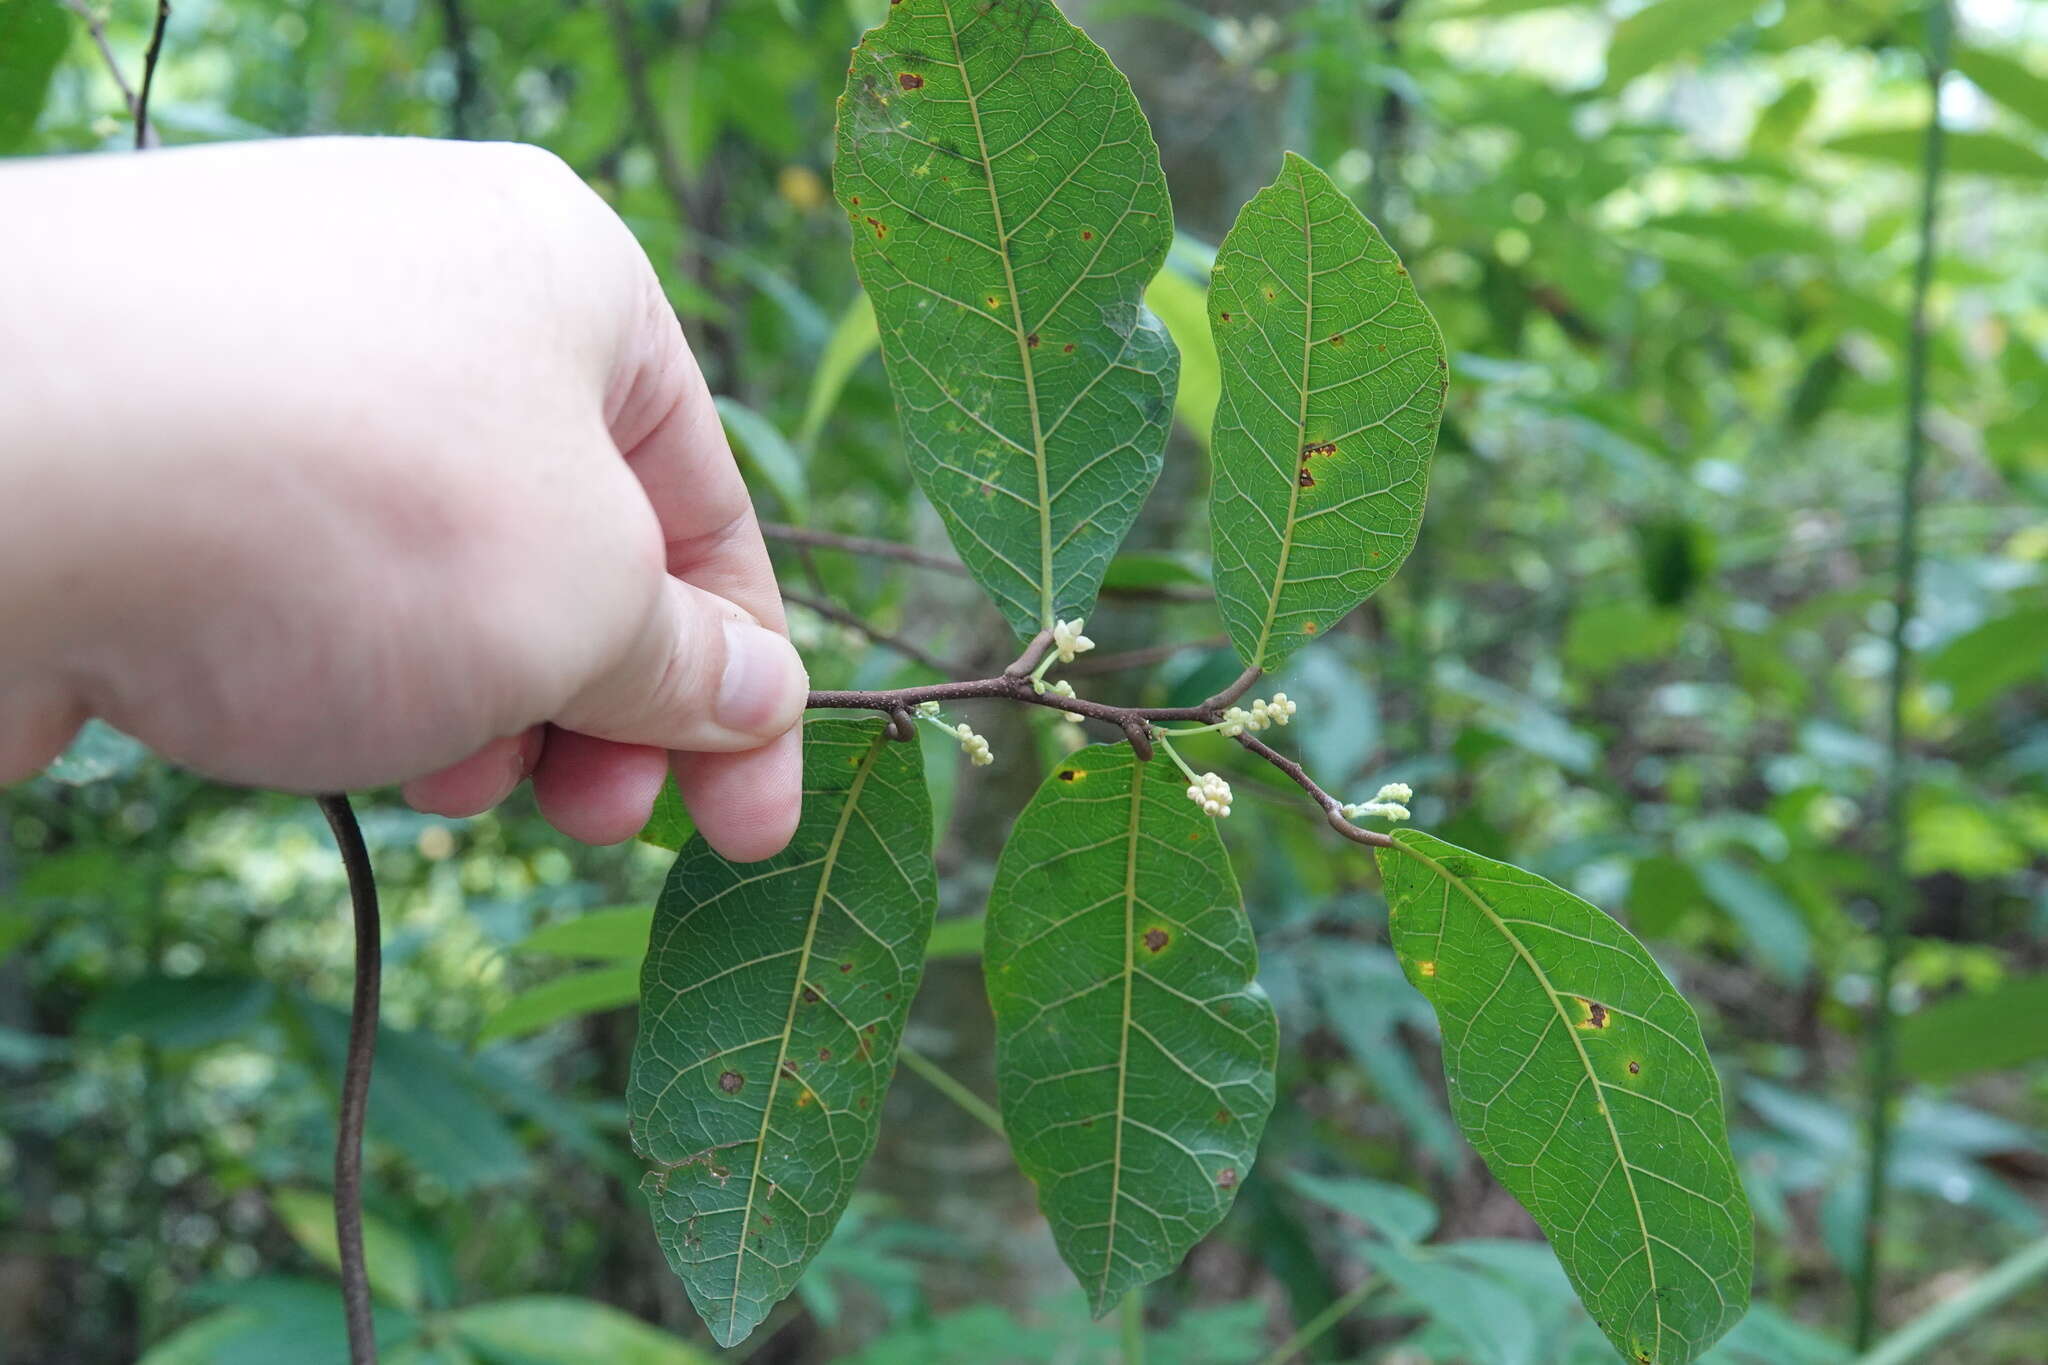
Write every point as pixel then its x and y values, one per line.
pixel 1008 211
pixel 33 36
pixel 388 1255
pixel 1134 1050
pixel 1581 1077
pixel 1333 386
pixel 547 1329
pixel 568 996
pixel 772 1000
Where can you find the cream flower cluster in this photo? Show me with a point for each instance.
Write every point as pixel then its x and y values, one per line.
pixel 1278 711
pixel 1063 688
pixel 1388 804
pixel 1211 793
pixel 1067 639
pixel 973 745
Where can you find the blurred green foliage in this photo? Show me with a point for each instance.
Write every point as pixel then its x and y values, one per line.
pixel 1640 648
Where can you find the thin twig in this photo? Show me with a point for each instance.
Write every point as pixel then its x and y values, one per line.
pixel 940 1080
pixel 355 1079
pixel 97 27
pixel 149 61
pixel 841 616
pixel 1312 1331
pixel 1895 900
pixel 866 546
pixel 455 37
pixel 1014 684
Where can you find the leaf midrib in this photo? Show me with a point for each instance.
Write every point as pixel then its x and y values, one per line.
pixel 1585 1061
pixel 803 967
pixel 988 175
pixel 1308 324
pixel 1123 1055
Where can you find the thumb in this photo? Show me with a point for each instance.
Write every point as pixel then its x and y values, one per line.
pixel 700 676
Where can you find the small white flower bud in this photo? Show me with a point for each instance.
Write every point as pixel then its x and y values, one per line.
pixel 1211 793
pixel 1067 639
pixel 1396 791
pixel 927 708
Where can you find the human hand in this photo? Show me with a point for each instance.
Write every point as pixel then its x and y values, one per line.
pixel 341 462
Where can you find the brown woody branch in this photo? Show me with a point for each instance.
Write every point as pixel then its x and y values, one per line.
pixel 1014 684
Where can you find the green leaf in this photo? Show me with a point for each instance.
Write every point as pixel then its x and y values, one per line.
pixel 1981 665
pixel 772 1000
pixel 1333 387
pixel 1008 211
pixel 668 825
pixel 33 36
pixel 388 1255
pixel 768 454
pixel 569 996
pixel 429 1103
pixel 959 936
pixel 1982 153
pixel 1181 302
pixel 2007 80
pixel 179 1012
pixel 615 935
pixel 1157 569
pixel 1581 1077
pixel 1134 1051
pixel 1667 30
pixel 853 340
pixel 1393 1211
pixel 1771 923
pixel 548 1329
pixel 1487 1321
pixel 1978 1031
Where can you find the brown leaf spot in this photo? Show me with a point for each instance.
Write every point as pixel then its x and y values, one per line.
pixel 1596 1014
pixel 1223 317
pixel 1222 1117
pixel 1087 234
pixel 730 1082
pixel 1307 480
pixel 1087 1123
pixel 1635 1068
pixel 880 230
pixel 1156 939
pixel 861 1103
pixel 788 1067
pixel 811 996
pixel 1226 1178
pixel 1337 340
pixel 1426 968
pixel 846 966
pixel 1068 349
pixel 1309 627
pixel 803 1099
pixel 1032 341
pixel 1070 775
pixel 1319 448
pixel 910 80
pixel 824 1054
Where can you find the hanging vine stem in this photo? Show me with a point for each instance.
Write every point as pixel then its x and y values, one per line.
pixel 355 1079
pixel 1894 902
pixel 1014 684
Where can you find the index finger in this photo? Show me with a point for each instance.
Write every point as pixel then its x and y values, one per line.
pixel 746 804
